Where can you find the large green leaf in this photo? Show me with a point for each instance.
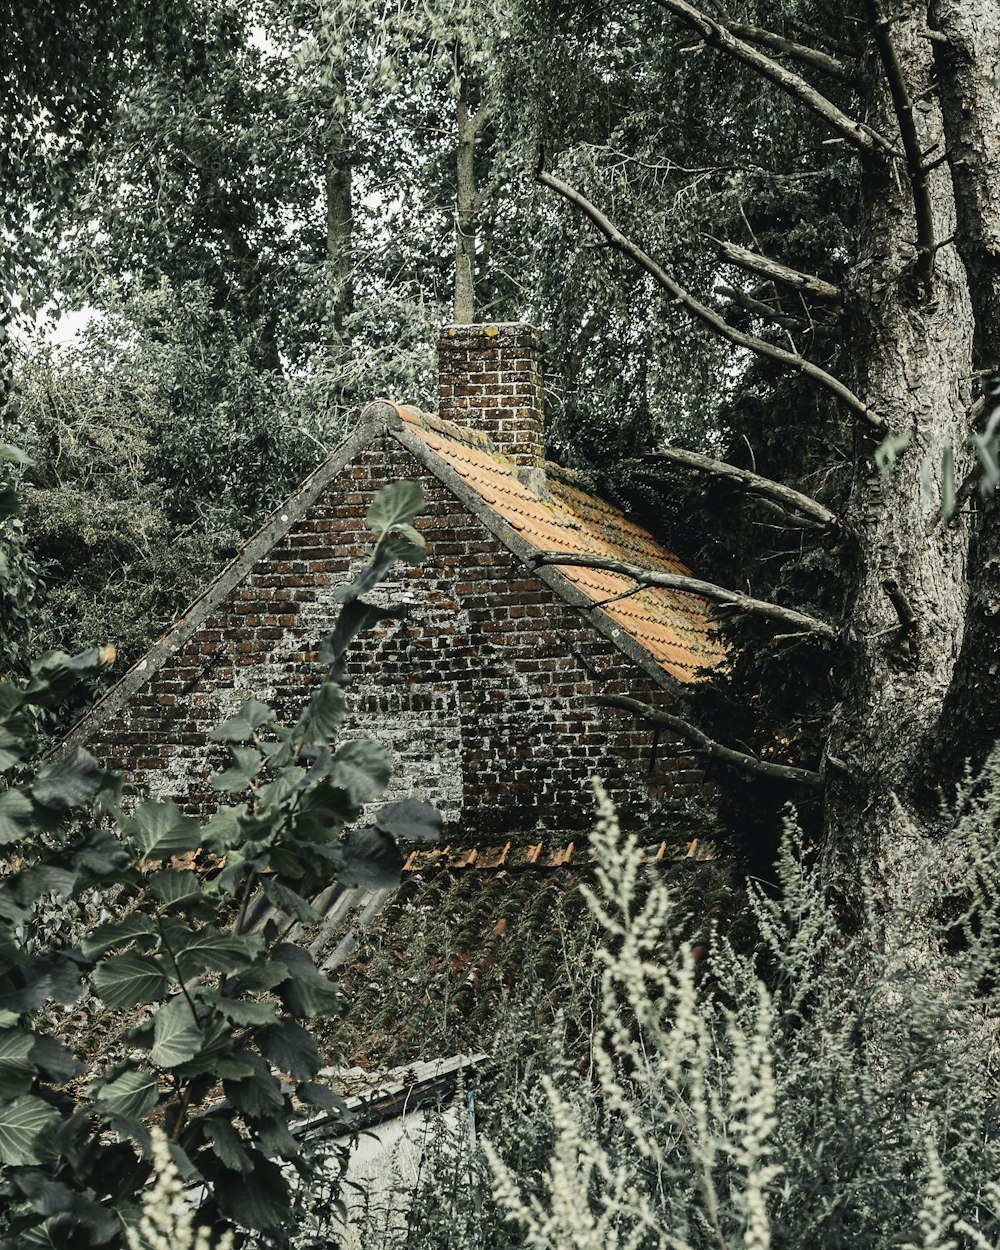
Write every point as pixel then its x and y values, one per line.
pixel 117 933
pixel 362 769
pixel 307 992
pixel 160 829
pixel 370 858
pixel 15 816
pixel 125 980
pixel 228 1144
pixel 177 1036
pixel 247 763
pixel 257 1200
pixel 324 713
pixel 290 1048
pixel 412 820
pixel 396 504
pixel 172 886
pixel 208 950
pixel 68 782
pixel 132 1094
pixel 16 1067
pixel 21 1123
pixel 242 726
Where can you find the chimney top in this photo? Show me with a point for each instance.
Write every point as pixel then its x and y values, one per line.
pixel 490 379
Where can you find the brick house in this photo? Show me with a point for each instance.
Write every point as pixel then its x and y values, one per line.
pixel 485 692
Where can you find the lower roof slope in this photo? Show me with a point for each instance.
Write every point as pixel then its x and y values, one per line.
pixel 673 627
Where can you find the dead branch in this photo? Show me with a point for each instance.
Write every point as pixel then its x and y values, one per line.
pixel 702 312
pixel 915 169
pixel 795 51
pixel 783 495
pixel 749 764
pixel 757 308
pixel 719 36
pixel 691 586
pixel 818 288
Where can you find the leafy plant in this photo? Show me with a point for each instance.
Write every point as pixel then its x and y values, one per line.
pixel 219 1051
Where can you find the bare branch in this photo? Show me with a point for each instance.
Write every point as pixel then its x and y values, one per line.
pixel 783 495
pixel 749 764
pixel 702 312
pixel 796 51
pixel 719 36
pixel 691 586
pixel 915 168
pixel 757 308
pixel 777 272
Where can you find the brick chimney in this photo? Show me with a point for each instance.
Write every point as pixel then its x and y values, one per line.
pixel 490 379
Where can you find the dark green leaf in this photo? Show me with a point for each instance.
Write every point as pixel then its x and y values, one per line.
pixel 241 727
pixel 17 1070
pixel 228 1145
pixel 172 885
pixel 209 950
pixel 362 769
pixel 324 714
pixel 117 933
pixel 132 1094
pixel 412 820
pixel 161 830
pixel 177 1036
pixel 290 1048
pixel 125 980
pixel 68 782
pixel 289 902
pixel 322 1096
pixel 21 1124
pixel 247 763
pixel 307 992
pixel 370 858
pixel 260 1094
pixel 15 816
pixel 55 1060
pixel 257 1200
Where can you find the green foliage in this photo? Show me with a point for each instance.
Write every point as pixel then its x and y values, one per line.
pixel 156 448
pixel 215 1047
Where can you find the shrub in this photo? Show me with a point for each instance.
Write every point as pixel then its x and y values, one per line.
pixel 214 1046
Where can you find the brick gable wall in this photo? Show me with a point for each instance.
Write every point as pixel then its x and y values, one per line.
pixel 481 694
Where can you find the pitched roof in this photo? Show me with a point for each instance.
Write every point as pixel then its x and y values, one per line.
pixel 667 632
pixel 674 628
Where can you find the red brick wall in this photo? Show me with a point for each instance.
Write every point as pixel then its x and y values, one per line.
pixel 481 694
pixel 490 379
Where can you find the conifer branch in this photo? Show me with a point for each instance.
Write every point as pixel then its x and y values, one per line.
pixel 702 312
pixel 753 482
pixel 719 35
pixel 690 586
pixel 748 764
pixel 765 267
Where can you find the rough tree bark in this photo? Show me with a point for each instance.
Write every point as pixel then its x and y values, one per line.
pixel 339 179
pixel 918 656
pixel 913 343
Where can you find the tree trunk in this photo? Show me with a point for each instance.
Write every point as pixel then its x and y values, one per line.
pixel 968 71
pixel 913 348
pixel 339 216
pixel 465 205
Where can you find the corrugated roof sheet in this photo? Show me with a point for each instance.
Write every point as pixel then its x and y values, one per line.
pixel 673 627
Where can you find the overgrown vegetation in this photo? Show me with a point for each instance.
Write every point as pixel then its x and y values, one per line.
pixel 821 1090
pixel 98 900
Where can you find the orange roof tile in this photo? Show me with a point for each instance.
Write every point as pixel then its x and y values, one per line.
pixel 673 627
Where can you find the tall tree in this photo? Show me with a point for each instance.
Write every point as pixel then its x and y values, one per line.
pixel 912 290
